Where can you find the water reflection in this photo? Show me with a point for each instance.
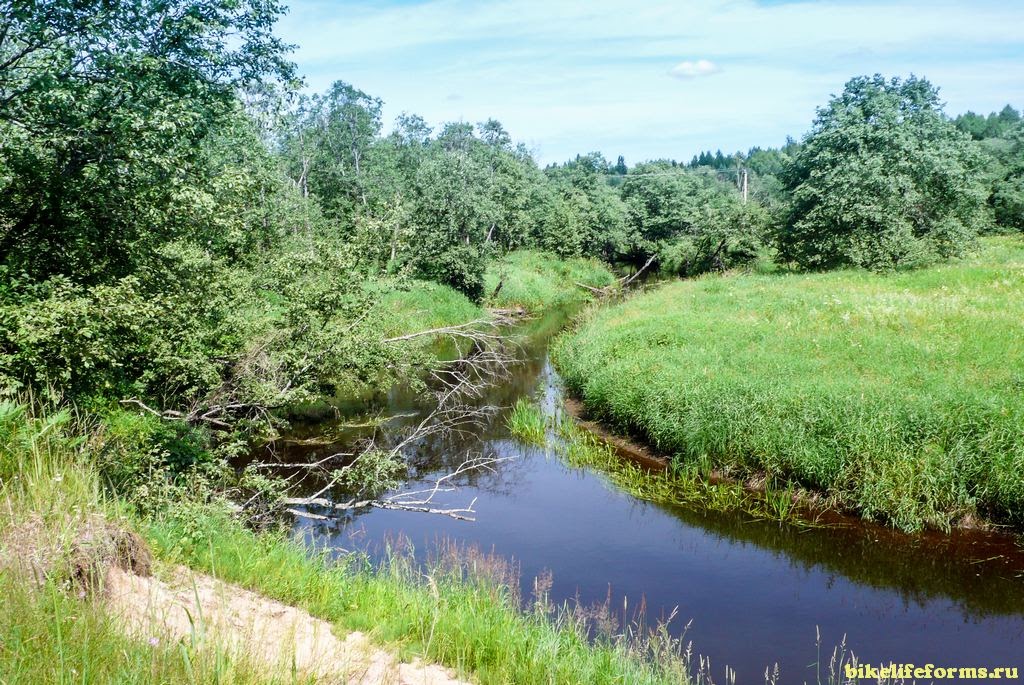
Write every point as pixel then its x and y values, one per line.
pixel 756 591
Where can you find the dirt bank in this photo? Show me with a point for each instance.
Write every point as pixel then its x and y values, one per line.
pixel 283 639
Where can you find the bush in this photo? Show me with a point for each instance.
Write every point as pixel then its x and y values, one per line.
pixel 1008 201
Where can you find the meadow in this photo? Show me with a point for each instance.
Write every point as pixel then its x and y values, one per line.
pixel 897 394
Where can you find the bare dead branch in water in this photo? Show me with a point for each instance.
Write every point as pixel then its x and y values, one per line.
pixel 623 282
pixel 458 387
pixel 213 415
pixel 416 500
pixel 617 285
pixel 477 330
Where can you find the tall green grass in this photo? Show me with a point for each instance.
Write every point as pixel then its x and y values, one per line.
pixel 686 485
pixel 899 395
pixel 462 610
pixel 421 305
pixel 48 635
pixel 51 629
pixel 538 280
pixel 527 422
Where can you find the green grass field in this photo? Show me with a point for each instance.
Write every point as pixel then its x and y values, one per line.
pixel 537 280
pixel 421 305
pixel 898 395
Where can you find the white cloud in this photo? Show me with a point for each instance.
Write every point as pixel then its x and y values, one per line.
pixel 694 69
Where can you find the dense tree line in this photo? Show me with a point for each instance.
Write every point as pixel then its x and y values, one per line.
pixel 1000 137
pixel 177 220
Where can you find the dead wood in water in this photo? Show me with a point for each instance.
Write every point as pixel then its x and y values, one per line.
pixel 416 500
pixel 618 285
pixel 459 388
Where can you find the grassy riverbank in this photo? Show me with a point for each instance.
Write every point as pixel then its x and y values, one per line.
pixel 65 471
pixel 680 485
pixel 465 613
pixel 897 395
pixel 539 280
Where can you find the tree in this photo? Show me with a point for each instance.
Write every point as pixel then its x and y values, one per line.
pixel 1000 138
pixel 326 145
pixel 1008 190
pixel 104 110
pixel 453 214
pixel 582 213
pixel 689 220
pixel 882 181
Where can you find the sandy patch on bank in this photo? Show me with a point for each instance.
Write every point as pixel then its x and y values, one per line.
pixel 287 640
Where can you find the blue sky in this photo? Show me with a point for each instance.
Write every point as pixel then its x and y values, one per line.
pixel 652 79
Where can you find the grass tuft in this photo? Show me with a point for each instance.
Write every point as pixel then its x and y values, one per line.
pixel 527 422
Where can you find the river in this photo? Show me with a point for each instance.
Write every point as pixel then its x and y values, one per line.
pixel 748 594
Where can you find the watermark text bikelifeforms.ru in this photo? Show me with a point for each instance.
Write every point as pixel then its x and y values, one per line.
pixel 928 672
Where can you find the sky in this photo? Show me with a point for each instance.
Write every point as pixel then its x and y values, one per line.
pixel 656 79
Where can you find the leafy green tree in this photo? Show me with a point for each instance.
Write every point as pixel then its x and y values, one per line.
pixel 882 181
pixel 1008 189
pixel 689 220
pixel 326 145
pixel 453 214
pixel 999 137
pixel 582 213
pixel 104 110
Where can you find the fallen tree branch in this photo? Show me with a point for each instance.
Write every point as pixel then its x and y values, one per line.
pixel 400 501
pixel 600 292
pixel 468 329
pixel 626 281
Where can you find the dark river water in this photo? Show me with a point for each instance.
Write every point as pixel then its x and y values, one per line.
pixel 752 593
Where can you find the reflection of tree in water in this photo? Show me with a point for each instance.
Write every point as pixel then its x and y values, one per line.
pixel 982 572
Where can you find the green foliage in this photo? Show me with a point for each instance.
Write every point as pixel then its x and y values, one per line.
pixel 50 636
pixel 896 395
pixel 410 306
pixel 325 143
pixel 536 280
pixel 103 123
pixel 1005 176
pixel 882 181
pixel 580 213
pixel 691 221
pixel 527 422
pixel 1008 201
pixel 150 461
pixel 995 125
pixel 111 339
